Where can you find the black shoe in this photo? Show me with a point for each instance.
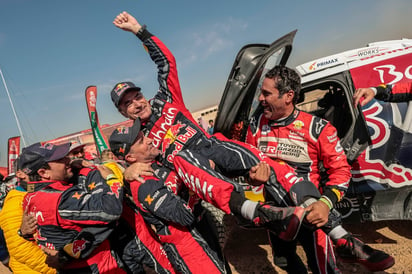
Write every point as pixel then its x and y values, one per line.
pixel 284 221
pixel 352 250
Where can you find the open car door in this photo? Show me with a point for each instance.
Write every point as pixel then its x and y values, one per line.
pixel 237 103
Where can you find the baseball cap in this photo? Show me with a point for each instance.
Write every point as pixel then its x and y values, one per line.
pixel 33 157
pixel 75 144
pixel 120 89
pixel 123 138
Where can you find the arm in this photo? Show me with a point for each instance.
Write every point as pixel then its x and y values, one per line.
pixel 363 96
pixel 28 226
pixel 331 153
pixel 156 198
pixel 95 203
pixel 399 92
pixel 94 200
pixel 169 87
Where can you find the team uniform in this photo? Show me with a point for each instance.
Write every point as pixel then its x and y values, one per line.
pixel 172 218
pixel 142 246
pixel 187 148
pixel 77 220
pixel 306 143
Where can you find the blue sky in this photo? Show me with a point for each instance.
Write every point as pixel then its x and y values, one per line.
pixel 51 50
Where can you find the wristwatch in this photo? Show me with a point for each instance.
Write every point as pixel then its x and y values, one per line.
pixel 26 237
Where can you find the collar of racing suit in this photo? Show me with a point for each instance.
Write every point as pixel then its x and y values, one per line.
pixel 38 185
pixel 285 121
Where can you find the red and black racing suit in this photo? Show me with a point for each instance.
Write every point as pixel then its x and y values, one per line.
pixel 399 92
pixel 186 148
pixel 64 211
pixel 306 142
pixel 173 219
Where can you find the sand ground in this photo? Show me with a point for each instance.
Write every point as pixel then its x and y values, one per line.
pixel 248 250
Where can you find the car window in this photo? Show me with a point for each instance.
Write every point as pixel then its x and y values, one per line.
pixel 272 61
pixel 328 101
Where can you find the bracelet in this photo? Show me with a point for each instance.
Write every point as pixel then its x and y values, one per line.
pixel 326 201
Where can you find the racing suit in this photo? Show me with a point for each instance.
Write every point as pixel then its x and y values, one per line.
pixel 186 148
pixel 306 142
pixel 89 209
pixel 186 248
pixel 143 248
pixel 399 92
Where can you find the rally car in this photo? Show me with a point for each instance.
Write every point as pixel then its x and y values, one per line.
pixel 377 137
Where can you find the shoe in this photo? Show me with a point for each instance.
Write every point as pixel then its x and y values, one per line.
pixel 351 250
pixel 284 221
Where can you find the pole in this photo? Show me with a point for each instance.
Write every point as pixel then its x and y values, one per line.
pixel 12 107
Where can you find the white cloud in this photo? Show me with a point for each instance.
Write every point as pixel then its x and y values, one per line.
pixel 216 38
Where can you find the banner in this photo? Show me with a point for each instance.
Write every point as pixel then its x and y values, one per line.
pixel 99 138
pixel 13 152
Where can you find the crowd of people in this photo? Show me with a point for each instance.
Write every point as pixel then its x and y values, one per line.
pixel 140 206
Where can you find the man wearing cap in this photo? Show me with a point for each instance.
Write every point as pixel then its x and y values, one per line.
pixel 182 143
pixel 172 218
pixel 75 218
pixel 76 150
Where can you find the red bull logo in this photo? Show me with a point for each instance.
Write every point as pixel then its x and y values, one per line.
pixel 74 249
pixel 120 87
pixel 168 118
pixel 170 136
pixel 123 130
pixel 395 175
pixel 115 188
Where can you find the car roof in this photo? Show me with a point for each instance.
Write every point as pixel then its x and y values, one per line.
pixel 335 63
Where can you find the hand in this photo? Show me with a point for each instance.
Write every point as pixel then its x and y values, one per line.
pixel 104 171
pixel 318 214
pixel 127 22
pixel 259 174
pixel 28 224
pixel 52 259
pixel 363 95
pixel 212 164
pixel 134 171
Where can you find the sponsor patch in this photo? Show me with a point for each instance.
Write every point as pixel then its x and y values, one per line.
pixel 338 147
pixel 74 249
pixel 298 124
pixel 148 199
pixel 77 195
pixel 159 202
pixel 333 137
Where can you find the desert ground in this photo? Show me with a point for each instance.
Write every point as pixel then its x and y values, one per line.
pixel 248 251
